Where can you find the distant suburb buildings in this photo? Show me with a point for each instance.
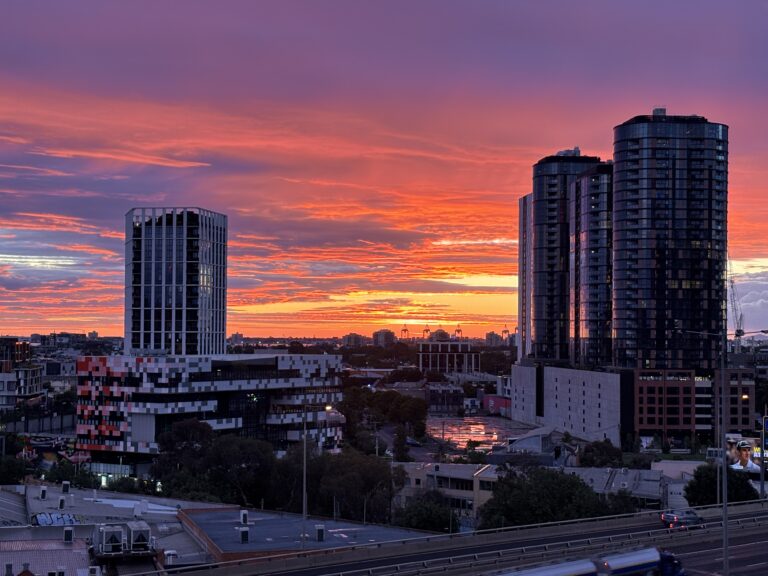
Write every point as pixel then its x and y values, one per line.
pixel 175 366
pixel 622 269
pixel 20 378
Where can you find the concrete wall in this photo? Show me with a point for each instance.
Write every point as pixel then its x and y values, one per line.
pixel 583 402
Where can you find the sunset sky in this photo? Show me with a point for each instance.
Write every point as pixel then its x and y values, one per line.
pixel 369 155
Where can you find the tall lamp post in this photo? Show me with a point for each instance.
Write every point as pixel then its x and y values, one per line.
pixel 723 439
pixel 763 420
pixel 304 480
pixel 328 409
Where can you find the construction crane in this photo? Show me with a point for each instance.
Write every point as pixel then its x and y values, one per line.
pixel 738 316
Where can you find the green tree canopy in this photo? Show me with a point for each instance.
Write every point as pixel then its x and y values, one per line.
pixel 428 511
pixel 601 453
pixel 538 495
pixel 239 469
pixel 399 446
pixel 701 490
pixel 11 470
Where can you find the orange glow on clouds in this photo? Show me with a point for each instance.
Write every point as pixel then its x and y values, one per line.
pixel 367 184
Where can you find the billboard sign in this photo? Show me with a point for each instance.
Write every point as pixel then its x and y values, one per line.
pixel 744 454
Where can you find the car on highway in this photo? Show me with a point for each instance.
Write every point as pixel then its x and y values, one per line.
pixel 681 519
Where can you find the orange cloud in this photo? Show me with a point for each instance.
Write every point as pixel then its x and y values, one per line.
pixel 325 204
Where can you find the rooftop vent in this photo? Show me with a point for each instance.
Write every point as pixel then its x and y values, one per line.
pixel 660 111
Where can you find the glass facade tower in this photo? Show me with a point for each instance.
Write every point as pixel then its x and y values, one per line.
pixel 669 242
pixel 590 211
pixel 524 276
pixel 552 177
pixel 175 281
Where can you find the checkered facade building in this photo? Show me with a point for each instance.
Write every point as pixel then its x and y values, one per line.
pixel 125 402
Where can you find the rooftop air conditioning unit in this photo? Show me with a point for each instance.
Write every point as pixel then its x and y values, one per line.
pixel 138 536
pixel 111 539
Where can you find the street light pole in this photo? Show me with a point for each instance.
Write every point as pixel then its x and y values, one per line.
pixel 723 440
pixel 304 484
pixel 762 455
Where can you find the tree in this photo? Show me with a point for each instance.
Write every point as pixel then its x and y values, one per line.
pixel 180 465
pixel 239 469
pixel 11 470
pixel 495 362
pixel 296 347
pixel 640 461
pixel 65 470
pixel 404 375
pixel 539 495
pixel 428 511
pixel 359 485
pixel 601 453
pixel 701 490
pixel 13 444
pixel 435 376
pixel 620 503
pixel 190 434
pixel 399 446
pixel 131 485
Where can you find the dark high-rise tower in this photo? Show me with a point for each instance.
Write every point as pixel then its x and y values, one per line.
pixel 175 281
pixel 552 177
pixel 669 241
pixel 525 277
pixel 590 205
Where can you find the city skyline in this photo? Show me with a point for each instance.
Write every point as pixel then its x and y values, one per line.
pixel 369 158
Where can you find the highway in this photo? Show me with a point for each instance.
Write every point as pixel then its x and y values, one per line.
pixel 748 555
pixel 700 549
